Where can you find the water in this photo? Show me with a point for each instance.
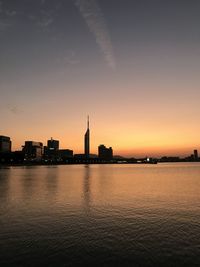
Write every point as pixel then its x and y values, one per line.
pixel 102 215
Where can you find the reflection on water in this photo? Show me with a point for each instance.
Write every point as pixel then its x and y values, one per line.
pixel 87 188
pixel 51 180
pixel 4 184
pixel 125 215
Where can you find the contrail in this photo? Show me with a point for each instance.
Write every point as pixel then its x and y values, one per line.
pixel 94 18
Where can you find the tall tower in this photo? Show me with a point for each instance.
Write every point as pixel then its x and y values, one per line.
pixel 87 140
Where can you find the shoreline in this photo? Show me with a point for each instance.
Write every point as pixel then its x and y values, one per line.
pixel 90 163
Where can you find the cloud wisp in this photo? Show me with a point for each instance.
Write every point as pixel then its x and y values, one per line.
pixel 95 21
pixel 44 19
pixel 6 17
pixel 14 109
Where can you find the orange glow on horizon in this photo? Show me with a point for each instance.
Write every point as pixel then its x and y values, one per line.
pixel 124 145
pixel 131 124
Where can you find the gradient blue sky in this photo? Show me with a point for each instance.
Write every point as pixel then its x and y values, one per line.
pixel 132 65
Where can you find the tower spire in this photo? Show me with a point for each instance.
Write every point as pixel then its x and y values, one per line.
pixel 88 122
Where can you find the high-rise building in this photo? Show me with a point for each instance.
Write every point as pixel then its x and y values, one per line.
pixel 87 140
pixel 105 153
pixel 53 144
pixel 33 150
pixel 196 154
pixel 51 150
pixel 5 144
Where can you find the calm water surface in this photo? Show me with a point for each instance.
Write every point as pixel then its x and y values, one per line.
pixel 103 215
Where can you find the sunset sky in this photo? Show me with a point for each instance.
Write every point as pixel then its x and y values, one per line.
pixel 132 65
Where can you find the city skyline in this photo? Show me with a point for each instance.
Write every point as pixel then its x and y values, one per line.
pixel 131 152
pixel 133 65
pixel 53 144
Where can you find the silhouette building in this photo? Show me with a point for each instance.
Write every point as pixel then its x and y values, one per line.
pixel 53 144
pixel 51 150
pixel 33 150
pixel 87 141
pixel 5 144
pixel 65 153
pixel 196 154
pixel 105 153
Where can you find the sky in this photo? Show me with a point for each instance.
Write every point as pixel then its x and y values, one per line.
pixel 133 66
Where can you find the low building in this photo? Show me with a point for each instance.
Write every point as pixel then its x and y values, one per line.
pixel 65 153
pixel 196 157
